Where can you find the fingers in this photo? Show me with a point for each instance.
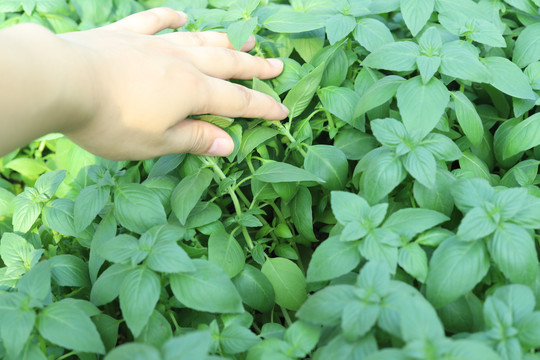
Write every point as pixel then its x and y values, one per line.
pixel 231 64
pixel 199 138
pixel 220 97
pixel 206 38
pixel 150 22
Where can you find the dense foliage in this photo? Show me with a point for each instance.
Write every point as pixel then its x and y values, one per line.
pixel 394 215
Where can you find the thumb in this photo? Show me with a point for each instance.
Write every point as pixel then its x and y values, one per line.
pixel 150 22
pixel 199 138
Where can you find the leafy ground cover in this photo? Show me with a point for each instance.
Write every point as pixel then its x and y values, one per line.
pixel 394 215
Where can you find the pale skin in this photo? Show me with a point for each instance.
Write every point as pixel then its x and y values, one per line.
pixel 123 93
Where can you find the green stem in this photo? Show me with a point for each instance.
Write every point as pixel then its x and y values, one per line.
pixel 173 319
pixel 289 136
pixel 286 316
pixel 210 161
pixel 65 356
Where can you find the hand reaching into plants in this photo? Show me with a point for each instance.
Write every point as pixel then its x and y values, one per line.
pixel 122 93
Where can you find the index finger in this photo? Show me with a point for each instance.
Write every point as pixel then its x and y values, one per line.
pixel 223 98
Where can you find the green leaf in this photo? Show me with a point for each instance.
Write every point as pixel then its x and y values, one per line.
pixel 410 222
pixel 95 12
pixel 527 49
pixel 358 318
pixel 341 349
pixel 302 213
pixel 133 351
pixel 26 210
pixel 165 164
pixel 300 95
pixel 69 270
pixel 224 251
pixel 380 245
pixel 165 254
pixel 208 288
pixel 255 289
pixel 372 33
pixel 348 207
pixel 378 94
pixel 36 283
pixel 6 202
pixel 519 299
pixel 354 144
pixel 120 249
pixel 471 193
pixel 236 339
pixel 288 282
pixel 88 204
pixel 16 323
pixel 188 192
pixel 67 326
pixel 529 330
pixel 420 163
pixel 49 182
pixel 512 249
pixel 428 66
pixel 508 78
pixel 413 259
pixel 419 320
pixel 326 306
pixel 460 59
pixel 239 31
pixel 252 138
pixel 332 259
pixel 107 286
pixel 382 175
pixel 302 336
pixel 476 224
pixel 107 327
pixel 156 332
pixel 339 26
pixel 308 43
pixel 58 216
pixel 30 168
pixel 288 21
pixel 523 136
pixel 439 197
pixel 455 269
pixel 416 13
pixel 139 294
pixel 277 172
pixel 192 346
pixel 341 102
pixel 422 105
pixel 138 208
pixel 16 252
pixel 468 118
pixel 10 6
pixel 396 56
pixel 328 163
pixel 485 32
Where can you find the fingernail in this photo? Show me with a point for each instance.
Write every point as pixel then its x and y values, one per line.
pixel 182 14
pixel 221 147
pixel 275 63
pixel 285 109
pixel 248 45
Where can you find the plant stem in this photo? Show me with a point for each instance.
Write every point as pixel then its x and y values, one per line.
pixel 65 356
pixel 287 133
pixel 286 316
pixel 210 161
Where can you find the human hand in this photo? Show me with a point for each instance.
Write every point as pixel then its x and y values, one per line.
pixel 141 87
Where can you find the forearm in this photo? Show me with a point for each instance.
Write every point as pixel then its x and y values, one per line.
pixel 38 86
